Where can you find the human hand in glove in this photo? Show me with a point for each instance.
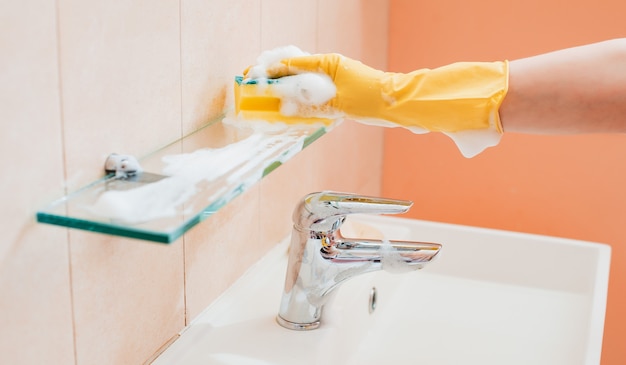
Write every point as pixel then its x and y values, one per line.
pixel 458 97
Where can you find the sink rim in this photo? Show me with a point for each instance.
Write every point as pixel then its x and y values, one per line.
pixel 274 263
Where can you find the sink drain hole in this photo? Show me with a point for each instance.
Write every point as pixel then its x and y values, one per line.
pixel 372 301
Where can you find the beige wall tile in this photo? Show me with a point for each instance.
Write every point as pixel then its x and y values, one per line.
pixel 354 28
pixel 120 78
pixel 220 249
pixel 121 92
pixel 281 190
pixel 128 297
pixel 357 29
pixel 347 159
pixel 286 23
pixel 130 77
pixel 350 157
pixel 339 27
pixel 374 33
pixel 35 300
pixel 219 39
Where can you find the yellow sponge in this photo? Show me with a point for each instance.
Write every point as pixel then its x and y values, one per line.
pixel 254 100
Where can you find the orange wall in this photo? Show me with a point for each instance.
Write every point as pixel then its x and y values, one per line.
pixel 568 186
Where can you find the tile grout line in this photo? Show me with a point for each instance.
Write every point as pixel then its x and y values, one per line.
pixel 180 65
pixel 65 174
pixel 260 188
pixel 317 26
pixel 261 45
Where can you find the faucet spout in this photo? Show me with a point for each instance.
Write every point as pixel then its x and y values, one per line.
pixel 320 258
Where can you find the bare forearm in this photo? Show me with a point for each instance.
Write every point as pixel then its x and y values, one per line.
pixel 575 90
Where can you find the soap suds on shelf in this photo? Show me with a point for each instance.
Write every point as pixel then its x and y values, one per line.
pixel 151 201
pixel 165 198
pixel 237 164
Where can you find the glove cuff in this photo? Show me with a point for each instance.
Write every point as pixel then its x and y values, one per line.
pixel 456 97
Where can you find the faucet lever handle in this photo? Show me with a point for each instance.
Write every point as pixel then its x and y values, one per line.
pixel 326 210
pixel 345 203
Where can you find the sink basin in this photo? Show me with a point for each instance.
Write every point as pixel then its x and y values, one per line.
pixel 492 297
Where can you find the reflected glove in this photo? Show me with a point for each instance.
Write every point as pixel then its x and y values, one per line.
pixel 454 98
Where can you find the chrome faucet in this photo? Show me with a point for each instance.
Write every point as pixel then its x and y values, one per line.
pixel 320 258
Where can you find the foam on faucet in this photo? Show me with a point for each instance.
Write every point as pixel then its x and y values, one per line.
pixel 392 260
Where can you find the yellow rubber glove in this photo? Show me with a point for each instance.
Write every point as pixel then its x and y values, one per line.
pixel 454 98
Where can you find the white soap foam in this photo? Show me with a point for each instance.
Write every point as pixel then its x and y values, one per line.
pixel 305 94
pixel 473 142
pixel 392 260
pixel 388 124
pixel 469 142
pixel 256 125
pixel 165 197
pixel 271 58
pixel 307 88
pixel 210 163
pixel 148 202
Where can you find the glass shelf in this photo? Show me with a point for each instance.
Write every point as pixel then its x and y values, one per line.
pixel 183 183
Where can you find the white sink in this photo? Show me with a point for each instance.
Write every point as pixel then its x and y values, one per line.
pixel 492 297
